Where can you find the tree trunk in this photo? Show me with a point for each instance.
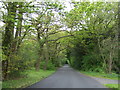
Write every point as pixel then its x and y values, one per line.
pixel 8 36
pixel 37 66
pixel 16 43
pixel 101 54
pixel 110 63
pixel 111 56
pixel 46 56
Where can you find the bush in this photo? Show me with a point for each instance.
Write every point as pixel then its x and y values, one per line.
pixel 92 62
pixel 50 66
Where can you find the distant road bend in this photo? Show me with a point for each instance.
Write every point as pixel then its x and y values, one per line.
pixel 66 77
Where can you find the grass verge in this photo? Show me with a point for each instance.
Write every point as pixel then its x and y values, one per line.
pixel 101 75
pixel 0 85
pixel 32 77
pixel 113 86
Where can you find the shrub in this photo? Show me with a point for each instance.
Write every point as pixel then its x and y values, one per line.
pixel 50 66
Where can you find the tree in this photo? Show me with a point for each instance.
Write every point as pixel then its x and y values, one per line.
pixel 13 34
pixel 93 23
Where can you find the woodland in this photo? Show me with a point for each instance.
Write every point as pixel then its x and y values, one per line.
pixel 45 36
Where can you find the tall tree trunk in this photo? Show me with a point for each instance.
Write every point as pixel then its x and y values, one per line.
pixel 37 66
pixel 111 55
pixel 46 56
pixel 110 63
pixel 8 36
pixel 102 55
pixel 16 42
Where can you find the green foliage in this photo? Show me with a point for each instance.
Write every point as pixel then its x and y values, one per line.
pixel 113 86
pixel 113 76
pixel 4 57
pixel 92 63
pixel 32 38
pixel 31 78
pixel 64 61
pixel 94 28
pixel 28 54
pixel 50 66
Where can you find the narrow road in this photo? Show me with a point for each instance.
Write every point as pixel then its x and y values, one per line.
pixel 66 77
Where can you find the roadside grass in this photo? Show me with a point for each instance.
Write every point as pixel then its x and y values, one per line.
pixel 113 86
pixel 101 75
pixel 31 78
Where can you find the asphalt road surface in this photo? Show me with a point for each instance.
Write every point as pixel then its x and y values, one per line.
pixel 66 77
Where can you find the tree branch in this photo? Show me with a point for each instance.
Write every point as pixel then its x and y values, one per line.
pixel 61 37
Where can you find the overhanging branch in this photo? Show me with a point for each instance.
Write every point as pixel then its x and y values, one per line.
pixel 61 37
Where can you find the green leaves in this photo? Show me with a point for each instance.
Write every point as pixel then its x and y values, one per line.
pixel 91 23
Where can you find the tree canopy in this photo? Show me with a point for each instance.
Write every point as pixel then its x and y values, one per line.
pixel 43 35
